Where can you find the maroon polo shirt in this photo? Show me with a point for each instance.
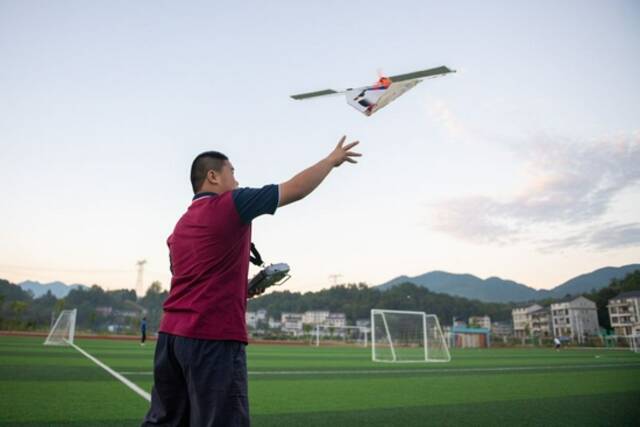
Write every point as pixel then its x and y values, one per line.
pixel 209 252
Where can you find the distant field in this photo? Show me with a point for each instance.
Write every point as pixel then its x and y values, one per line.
pixel 336 386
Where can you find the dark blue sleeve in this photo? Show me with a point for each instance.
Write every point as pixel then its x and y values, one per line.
pixel 253 202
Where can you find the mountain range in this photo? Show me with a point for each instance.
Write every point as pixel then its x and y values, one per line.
pixel 495 289
pixel 58 289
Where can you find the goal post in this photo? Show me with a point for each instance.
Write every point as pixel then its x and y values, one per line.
pixel 634 343
pixel 407 336
pixel 63 330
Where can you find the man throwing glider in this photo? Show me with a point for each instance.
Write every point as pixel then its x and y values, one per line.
pixel 200 370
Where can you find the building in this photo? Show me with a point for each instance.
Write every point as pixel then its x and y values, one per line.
pixel 316 317
pixel 480 321
pixel 459 323
pixel 521 320
pixel 104 311
pixel 291 323
pixel 540 322
pixel 336 320
pixel 251 318
pixel 501 329
pixel 274 324
pixel 576 318
pixel 127 314
pixel 624 313
pixel 363 323
pixel 462 337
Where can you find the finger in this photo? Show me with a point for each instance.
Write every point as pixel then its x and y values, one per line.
pixel 354 154
pixel 341 141
pixel 351 145
pixel 350 160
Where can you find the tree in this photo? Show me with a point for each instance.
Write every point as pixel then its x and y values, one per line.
pixel 58 307
pixel 154 289
pixel 306 328
pixel 152 302
pixel 92 319
pixel 18 307
pixel 1 304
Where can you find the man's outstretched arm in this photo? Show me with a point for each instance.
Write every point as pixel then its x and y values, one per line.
pixel 308 180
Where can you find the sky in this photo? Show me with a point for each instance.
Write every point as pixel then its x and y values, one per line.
pixel 525 164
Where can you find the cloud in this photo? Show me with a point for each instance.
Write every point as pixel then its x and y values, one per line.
pixel 615 236
pixel 603 236
pixel 442 113
pixel 571 183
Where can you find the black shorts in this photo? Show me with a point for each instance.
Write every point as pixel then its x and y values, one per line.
pixel 198 383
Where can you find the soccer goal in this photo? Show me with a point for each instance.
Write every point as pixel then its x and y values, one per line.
pixel 63 330
pixel 407 336
pixel 634 343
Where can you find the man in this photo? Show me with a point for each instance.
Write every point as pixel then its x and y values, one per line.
pixel 557 343
pixel 143 330
pixel 200 371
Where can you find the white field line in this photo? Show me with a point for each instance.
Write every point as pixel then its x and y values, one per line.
pixel 118 376
pixel 427 371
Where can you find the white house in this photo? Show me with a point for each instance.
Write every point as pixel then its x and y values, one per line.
pixel 291 323
pixel 261 315
pixel 624 313
pixel 576 318
pixel 336 320
pixel 522 320
pixel 251 318
pixel 315 317
pixel 540 322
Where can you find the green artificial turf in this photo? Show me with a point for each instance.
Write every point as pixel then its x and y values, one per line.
pixel 337 386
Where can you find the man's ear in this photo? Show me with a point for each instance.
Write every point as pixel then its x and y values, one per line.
pixel 213 177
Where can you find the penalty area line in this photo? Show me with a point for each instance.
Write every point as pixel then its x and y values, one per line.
pixel 432 371
pixel 115 374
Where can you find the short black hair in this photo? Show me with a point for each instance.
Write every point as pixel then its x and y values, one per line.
pixel 202 164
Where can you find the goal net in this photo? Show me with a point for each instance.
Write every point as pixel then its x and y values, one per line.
pixel 634 343
pixel 354 335
pixel 63 330
pixel 407 336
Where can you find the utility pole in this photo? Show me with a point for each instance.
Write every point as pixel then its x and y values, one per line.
pixel 139 281
pixel 334 278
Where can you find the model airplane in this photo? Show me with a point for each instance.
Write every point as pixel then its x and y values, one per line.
pixel 369 99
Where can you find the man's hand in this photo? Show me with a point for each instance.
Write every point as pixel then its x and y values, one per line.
pixel 255 293
pixel 308 180
pixel 342 153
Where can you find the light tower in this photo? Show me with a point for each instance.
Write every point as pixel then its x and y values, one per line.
pixel 334 278
pixel 139 281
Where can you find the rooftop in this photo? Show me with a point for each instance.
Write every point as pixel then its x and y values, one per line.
pixel 630 294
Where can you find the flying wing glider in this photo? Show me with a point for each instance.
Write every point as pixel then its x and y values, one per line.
pixel 369 99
